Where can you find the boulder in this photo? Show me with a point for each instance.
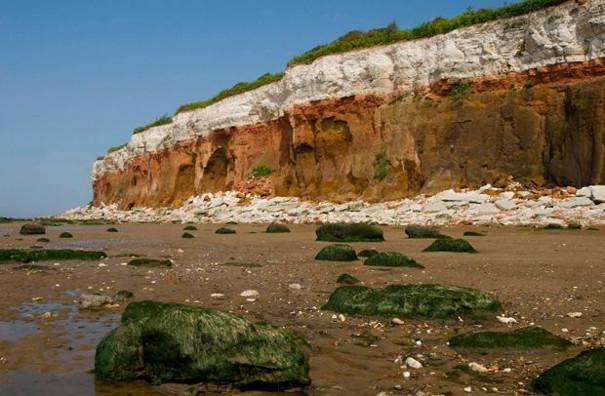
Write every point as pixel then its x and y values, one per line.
pixel 470 197
pixel 580 375
pixel 422 232
pixel 392 259
pixel 225 230
pixel 527 338
pixel 451 245
pixel 505 204
pixel 598 193
pixel 349 233
pixel 346 279
pixel 147 262
pixel 338 252
pixel 32 229
pixel 167 342
pixel 422 301
pixel 94 300
pixel 276 228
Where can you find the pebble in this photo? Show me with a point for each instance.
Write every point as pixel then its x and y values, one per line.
pixel 468 389
pixel 506 320
pixel 413 363
pixel 295 286
pixel 479 368
pixel 250 293
pixel 397 321
pixel 217 295
pixel 407 374
pixel 575 314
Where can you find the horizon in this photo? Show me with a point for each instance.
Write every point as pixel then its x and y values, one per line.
pixel 79 77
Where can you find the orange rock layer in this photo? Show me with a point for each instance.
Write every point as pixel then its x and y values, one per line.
pixel 542 127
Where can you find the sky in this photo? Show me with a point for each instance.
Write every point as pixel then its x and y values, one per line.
pixel 76 76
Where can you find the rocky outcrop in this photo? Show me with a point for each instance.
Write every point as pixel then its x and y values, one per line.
pixel 522 97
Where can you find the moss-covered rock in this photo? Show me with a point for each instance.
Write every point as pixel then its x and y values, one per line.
pixel 43 240
pixel 527 338
pixel 349 233
pixel 225 230
pixel 578 376
pixel 147 262
pixel 66 234
pixel 553 226
pixel 574 226
pixel 123 295
pixel 25 256
pixel 190 227
pixel 164 342
pixel 187 235
pixel 367 253
pixel 392 259
pixel 276 228
pixel 422 301
pixel 112 229
pixel 338 252
pixel 473 234
pixel 414 231
pixel 346 279
pixel 451 245
pixel 32 229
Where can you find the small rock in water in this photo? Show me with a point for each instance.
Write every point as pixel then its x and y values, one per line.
pixel 94 300
pixel 413 363
pixel 250 293
pixel 506 320
pixel 479 368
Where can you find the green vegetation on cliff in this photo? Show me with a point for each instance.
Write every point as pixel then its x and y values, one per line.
pixel 163 120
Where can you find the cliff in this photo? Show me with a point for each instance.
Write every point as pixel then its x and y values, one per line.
pixel 521 97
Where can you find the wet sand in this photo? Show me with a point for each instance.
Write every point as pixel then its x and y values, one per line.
pixel 47 346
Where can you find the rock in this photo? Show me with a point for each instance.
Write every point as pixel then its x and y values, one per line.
pixel 526 338
pixel 224 230
pixel 357 232
pixel 187 235
pixel 478 368
pixel 574 314
pixel 122 295
pixel 250 294
pixel 367 253
pixel 166 342
pixel 598 193
pixel 147 262
pixel 410 301
pixel 575 202
pixel 94 300
pixel 32 229
pixel 346 279
pixel 397 321
pixel 25 256
pixel 486 208
pixel 468 389
pixel 275 228
pixel 580 375
pixel 338 252
pixel 506 320
pixel 505 204
pixel 451 245
pixel 66 235
pixel 295 286
pixel 434 207
pixel 413 363
pixel 584 192
pixel 391 259
pixel 470 197
pixel 218 296
pixel 421 232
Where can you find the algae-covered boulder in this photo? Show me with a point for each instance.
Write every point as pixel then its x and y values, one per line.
pixel 414 231
pixel 277 228
pixel 346 279
pixel 349 233
pixel 147 262
pixel 165 342
pixel 225 230
pixel 473 234
pixel 553 226
pixel 578 376
pixel 392 259
pixel 367 253
pixel 123 295
pixel 25 256
pixel 187 235
pixel 190 227
pixel 338 252
pixel 32 229
pixel 66 234
pixel 451 245
pixel 527 338
pixel 112 229
pixel 423 301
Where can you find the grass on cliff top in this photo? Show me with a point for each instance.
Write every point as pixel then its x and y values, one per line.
pixel 163 120
pixel 115 148
pixel 390 34
pixel 237 89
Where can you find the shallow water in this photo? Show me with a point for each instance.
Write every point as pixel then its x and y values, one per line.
pixel 12 330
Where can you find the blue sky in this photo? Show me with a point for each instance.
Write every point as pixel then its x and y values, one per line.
pixel 76 76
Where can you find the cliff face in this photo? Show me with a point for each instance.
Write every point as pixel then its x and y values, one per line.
pixel 522 97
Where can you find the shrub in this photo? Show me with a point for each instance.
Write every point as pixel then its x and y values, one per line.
pixel 391 259
pixel 349 233
pixel 122 295
pixel 382 166
pixel 336 253
pixel 66 235
pixel 460 91
pixel 261 170
pixel 451 245
pixel 163 120
pixel 553 226
pixel 237 89
pixel 473 234
pixel 147 262
pixel 275 228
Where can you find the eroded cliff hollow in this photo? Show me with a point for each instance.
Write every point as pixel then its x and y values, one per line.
pixel 522 97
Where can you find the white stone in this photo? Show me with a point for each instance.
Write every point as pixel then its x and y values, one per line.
pixel 295 286
pixel 250 293
pixel 413 363
pixel 598 193
pixel 584 192
pixel 217 296
pixel 434 207
pixel 487 208
pixel 397 321
pixel 506 320
pixel 471 197
pixel 575 314
pixel 505 204
pixel 575 202
pixel 479 368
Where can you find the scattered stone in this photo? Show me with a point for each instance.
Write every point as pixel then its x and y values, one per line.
pixel 413 363
pixel 580 375
pixel 409 301
pixel 295 286
pixel 506 320
pixel 218 296
pixel 451 245
pixel 32 229
pixel 187 235
pixel 147 262
pixel 225 230
pixel 276 228
pixel 478 368
pixel 122 295
pixel 337 252
pixel 392 259
pixel 422 232
pixel 468 389
pixel 526 338
pixel 94 300
pixel 166 342
pixel 250 294
pixel 349 233
pixel 66 235
pixel 574 314
pixel 346 279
